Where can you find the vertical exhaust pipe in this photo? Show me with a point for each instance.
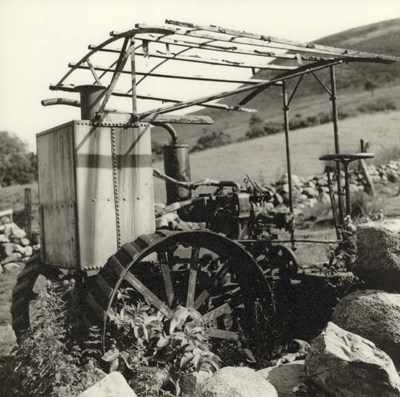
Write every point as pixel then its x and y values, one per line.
pixel 176 165
pixel 90 99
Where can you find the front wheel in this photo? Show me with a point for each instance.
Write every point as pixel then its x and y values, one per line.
pixel 198 275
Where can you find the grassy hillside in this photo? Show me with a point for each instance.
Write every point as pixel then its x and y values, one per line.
pixel 264 158
pixel 311 99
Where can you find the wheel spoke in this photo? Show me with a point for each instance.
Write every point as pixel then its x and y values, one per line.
pixel 151 298
pixel 166 275
pixel 194 267
pixel 206 293
pixel 221 334
pixel 218 312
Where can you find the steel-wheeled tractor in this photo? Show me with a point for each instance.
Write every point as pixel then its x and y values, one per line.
pixel 96 191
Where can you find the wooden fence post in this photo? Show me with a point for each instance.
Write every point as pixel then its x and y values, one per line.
pixel 364 170
pixel 28 212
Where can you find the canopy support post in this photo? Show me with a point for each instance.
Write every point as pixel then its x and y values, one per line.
pixel 336 138
pixel 288 160
pixel 133 78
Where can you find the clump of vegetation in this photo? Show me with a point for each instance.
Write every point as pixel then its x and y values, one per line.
pixel 365 205
pixel 211 139
pixel 157 359
pixel 370 86
pixel 259 127
pixel 47 362
pixel 380 105
pixel 52 359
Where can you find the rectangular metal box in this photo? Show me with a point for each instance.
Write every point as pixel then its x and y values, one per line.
pixel 76 191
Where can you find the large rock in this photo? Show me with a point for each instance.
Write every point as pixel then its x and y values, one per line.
pixel 7 338
pixel 342 364
pixel 287 379
pixel 374 315
pixel 112 385
pixel 378 254
pixel 236 382
pixel 190 382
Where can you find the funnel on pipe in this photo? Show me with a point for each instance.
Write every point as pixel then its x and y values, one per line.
pixel 90 98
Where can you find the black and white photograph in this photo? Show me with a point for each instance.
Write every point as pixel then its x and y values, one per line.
pixel 199 198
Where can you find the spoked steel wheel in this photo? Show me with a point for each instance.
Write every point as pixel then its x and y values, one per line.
pixel 278 261
pixel 197 274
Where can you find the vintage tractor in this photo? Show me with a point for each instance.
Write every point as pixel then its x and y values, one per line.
pixel 96 190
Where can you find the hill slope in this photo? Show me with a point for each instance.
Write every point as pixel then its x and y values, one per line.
pixel 310 99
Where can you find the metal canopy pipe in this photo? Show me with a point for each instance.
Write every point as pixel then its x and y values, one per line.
pixel 172 76
pixel 288 160
pixel 257 39
pixel 336 138
pixel 133 77
pixel 256 87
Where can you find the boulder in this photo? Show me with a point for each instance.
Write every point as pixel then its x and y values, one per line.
pixel 15 230
pixel 296 180
pixel 311 202
pixel 4 238
pixel 7 337
pixel 287 379
pixel 24 242
pixel 11 267
pixel 190 382
pixel 343 364
pixel 393 176
pixel 28 251
pixel 236 382
pixel 112 385
pixel 324 198
pixel 310 192
pixel 284 189
pixel 278 200
pixel 374 315
pixel 378 254
pixel 301 198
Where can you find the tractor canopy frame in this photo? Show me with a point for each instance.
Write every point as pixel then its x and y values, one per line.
pixel 146 53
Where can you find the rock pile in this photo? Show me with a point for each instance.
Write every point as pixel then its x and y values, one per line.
pixel 308 191
pixel 385 173
pixel 14 245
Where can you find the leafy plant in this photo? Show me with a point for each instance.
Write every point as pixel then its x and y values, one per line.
pixel 46 362
pixel 152 358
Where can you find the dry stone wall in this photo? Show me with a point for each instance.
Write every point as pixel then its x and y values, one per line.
pixel 15 246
